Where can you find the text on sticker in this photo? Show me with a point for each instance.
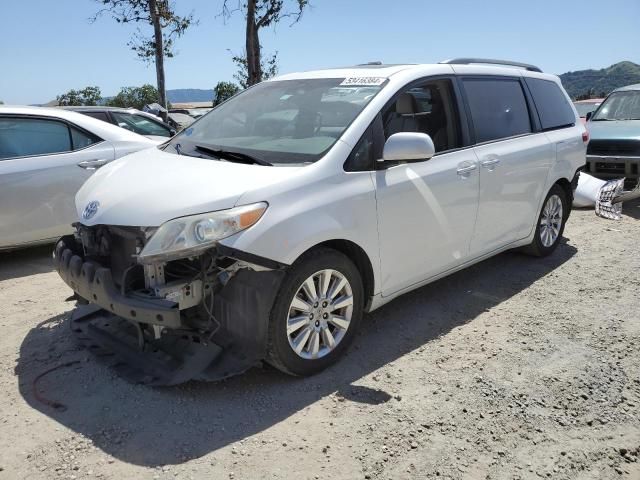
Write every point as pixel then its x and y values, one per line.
pixel 362 81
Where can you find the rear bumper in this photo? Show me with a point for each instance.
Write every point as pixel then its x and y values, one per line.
pixel 94 283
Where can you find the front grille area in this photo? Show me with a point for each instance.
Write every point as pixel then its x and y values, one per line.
pixel 623 148
pixel 114 248
pixel 614 168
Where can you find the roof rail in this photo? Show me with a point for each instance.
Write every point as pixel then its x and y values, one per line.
pixel 469 61
pixel 377 62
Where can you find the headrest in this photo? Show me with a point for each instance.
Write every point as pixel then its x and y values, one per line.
pixel 406 104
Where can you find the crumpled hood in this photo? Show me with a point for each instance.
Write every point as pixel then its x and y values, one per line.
pixel 148 188
pixel 614 130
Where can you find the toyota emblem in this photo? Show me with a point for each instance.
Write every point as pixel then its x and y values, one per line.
pixel 90 210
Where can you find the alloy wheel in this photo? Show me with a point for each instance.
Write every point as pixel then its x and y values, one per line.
pixel 320 314
pixel 551 221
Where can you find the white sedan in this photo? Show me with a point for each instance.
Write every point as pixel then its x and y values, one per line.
pixel 45 156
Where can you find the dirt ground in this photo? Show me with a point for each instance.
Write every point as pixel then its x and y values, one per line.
pixel 515 368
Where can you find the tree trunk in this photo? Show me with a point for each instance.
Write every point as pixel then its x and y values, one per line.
pixel 254 70
pixel 157 33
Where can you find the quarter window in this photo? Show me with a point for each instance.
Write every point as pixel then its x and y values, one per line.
pixel 498 108
pixel 82 139
pixel 552 105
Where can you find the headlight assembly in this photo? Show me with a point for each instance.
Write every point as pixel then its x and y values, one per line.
pixel 186 236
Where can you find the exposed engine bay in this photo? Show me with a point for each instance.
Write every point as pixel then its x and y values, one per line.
pixel 203 317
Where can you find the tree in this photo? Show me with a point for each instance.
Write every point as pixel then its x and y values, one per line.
pixel 223 91
pixel 86 96
pixel 260 14
pixel 269 68
pixel 167 27
pixel 135 97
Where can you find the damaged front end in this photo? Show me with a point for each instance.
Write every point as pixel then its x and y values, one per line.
pixel 166 321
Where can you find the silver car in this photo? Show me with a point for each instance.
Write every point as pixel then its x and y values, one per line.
pixel 45 156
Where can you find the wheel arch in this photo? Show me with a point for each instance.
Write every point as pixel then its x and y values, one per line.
pixel 567 188
pixel 359 257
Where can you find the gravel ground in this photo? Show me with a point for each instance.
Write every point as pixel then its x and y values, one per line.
pixel 515 368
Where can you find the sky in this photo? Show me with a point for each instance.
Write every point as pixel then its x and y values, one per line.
pixel 49 46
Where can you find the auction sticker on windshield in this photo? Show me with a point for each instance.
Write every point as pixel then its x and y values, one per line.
pixel 363 81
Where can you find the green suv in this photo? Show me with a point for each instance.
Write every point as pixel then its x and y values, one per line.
pixel 614 128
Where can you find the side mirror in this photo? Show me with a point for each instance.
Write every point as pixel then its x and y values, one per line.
pixel 407 146
pixel 173 132
pixel 589 114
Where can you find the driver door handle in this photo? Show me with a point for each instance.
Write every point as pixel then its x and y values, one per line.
pixel 92 164
pixel 465 168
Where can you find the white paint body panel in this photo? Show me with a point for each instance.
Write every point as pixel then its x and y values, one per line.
pixel 416 222
pixel 37 193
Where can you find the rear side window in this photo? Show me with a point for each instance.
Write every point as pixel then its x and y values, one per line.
pixel 498 108
pixel 99 115
pixel 552 105
pixel 20 137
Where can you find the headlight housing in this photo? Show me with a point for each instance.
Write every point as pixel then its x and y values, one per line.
pixel 187 236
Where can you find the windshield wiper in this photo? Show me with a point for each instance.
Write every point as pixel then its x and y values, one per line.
pixel 236 157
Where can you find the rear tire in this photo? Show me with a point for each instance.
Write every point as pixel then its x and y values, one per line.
pixel 316 313
pixel 551 223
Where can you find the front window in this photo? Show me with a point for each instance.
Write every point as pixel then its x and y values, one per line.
pixel 140 124
pixel 623 105
pixel 282 122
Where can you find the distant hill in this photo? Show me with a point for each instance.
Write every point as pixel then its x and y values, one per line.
pixel 186 95
pixel 603 81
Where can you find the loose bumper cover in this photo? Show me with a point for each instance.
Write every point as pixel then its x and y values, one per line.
pixel 110 324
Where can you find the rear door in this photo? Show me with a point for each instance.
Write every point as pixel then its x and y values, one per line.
pixel 43 163
pixel 514 160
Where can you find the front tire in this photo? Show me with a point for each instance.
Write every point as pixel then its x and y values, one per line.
pixel 551 223
pixel 316 313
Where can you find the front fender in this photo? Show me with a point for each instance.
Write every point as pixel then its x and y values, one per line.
pixel 340 207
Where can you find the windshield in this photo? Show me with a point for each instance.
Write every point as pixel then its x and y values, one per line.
pixel 623 105
pixel 584 108
pixel 140 124
pixel 282 122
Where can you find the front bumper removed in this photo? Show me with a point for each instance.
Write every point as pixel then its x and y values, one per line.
pixel 113 324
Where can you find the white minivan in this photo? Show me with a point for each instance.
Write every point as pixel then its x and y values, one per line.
pixel 267 228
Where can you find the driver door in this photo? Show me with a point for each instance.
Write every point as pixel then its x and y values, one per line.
pixel 426 209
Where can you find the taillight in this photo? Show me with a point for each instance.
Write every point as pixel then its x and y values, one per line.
pixel 585 136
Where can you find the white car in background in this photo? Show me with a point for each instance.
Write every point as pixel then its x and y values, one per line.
pixel 45 156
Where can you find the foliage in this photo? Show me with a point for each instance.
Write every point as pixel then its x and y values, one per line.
pixel 137 11
pixel 268 68
pixel 134 97
pixel 259 14
pixel 224 90
pixel 584 84
pixel 75 98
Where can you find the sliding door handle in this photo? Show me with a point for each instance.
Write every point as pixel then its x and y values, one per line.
pixel 92 164
pixel 490 163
